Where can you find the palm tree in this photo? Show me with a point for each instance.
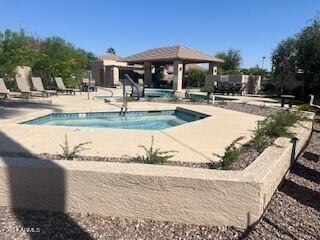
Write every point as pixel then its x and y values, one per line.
pixel 111 51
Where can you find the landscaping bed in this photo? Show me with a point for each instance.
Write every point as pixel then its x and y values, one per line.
pixel 293 213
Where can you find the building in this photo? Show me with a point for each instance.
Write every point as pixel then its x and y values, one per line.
pixel 107 70
pixel 153 65
pixel 249 84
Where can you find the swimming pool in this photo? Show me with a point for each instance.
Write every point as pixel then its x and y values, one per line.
pixel 143 120
pixel 158 93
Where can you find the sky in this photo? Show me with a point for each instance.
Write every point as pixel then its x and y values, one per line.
pixel 130 26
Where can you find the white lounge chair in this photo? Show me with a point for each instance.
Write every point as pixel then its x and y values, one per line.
pixel 4 91
pixel 38 86
pixel 24 87
pixel 62 87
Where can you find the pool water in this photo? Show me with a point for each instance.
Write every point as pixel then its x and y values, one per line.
pixel 158 93
pixel 143 120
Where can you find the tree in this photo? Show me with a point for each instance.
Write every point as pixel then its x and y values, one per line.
pixel 111 51
pixel 232 59
pixel 296 62
pixel 60 58
pixel 284 62
pixel 16 49
pixel 308 57
pixel 47 57
pixel 254 71
pixel 196 77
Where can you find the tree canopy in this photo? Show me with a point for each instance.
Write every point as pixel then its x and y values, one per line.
pixel 296 62
pixel 196 77
pixel 47 57
pixel 232 58
pixel 111 51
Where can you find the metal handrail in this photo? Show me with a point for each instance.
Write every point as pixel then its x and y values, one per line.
pixel 108 90
pixel 132 84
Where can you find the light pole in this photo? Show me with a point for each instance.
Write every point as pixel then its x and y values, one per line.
pixel 263 58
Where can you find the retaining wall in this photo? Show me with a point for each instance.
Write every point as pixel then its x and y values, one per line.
pixel 200 196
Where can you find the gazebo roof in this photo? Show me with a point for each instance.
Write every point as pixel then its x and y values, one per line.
pixel 169 54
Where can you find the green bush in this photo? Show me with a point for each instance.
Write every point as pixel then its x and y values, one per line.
pixel 231 154
pixel 194 98
pixel 274 126
pixel 173 98
pixel 196 77
pixel 69 154
pixel 209 88
pixel 305 107
pixel 153 155
pixel 260 140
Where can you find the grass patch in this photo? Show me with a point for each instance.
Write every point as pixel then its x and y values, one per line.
pixel 153 155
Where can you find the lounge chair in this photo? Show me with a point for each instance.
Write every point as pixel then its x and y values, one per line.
pixel 62 87
pixel 24 87
pixel 5 92
pixel 38 86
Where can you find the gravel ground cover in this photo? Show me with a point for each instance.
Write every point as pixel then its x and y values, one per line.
pixel 293 213
pixel 248 108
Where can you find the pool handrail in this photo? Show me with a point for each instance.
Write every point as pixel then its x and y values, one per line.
pixel 137 87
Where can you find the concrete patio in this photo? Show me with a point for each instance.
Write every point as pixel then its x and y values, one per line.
pixel 195 142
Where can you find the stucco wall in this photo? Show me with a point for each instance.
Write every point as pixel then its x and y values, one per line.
pixel 190 195
pixel 252 82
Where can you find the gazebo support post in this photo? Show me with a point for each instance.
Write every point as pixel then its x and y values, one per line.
pixel 157 75
pixel 177 75
pixel 213 69
pixel 147 73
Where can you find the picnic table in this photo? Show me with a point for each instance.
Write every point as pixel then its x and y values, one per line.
pixel 287 99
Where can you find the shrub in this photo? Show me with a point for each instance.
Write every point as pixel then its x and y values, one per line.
pixel 231 154
pixel 173 98
pixel 260 140
pixel 274 126
pixel 69 154
pixel 194 98
pixel 153 155
pixel 209 88
pixel 196 77
pixel 305 107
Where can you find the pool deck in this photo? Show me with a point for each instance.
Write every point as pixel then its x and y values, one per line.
pixel 197 141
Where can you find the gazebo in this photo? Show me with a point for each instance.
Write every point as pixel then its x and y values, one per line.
pixel 178 56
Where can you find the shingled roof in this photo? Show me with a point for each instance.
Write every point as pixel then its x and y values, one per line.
pixel 169 54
